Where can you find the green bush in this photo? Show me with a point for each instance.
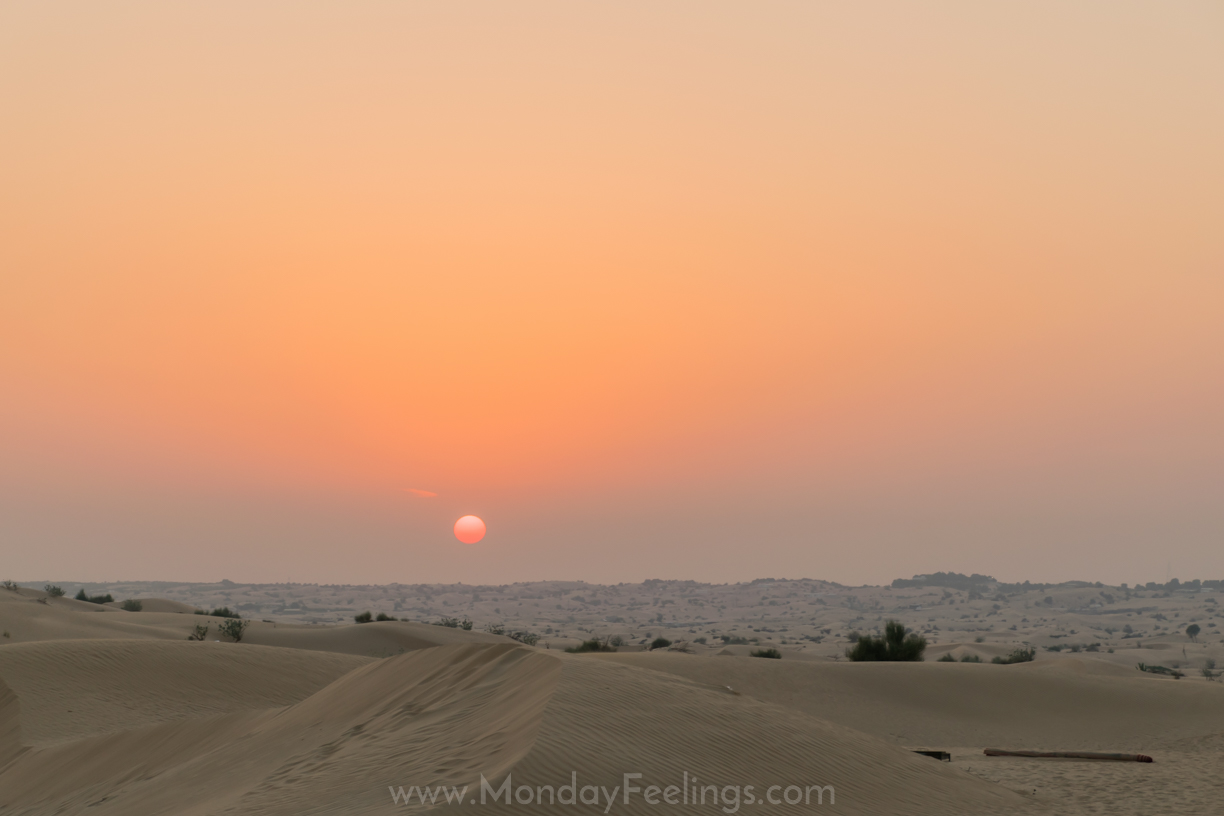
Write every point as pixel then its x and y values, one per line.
pixel 495 629
pixel 1192 631
pixel 132 605
pixel 969 658
pixel 1018 656
pixel 771 653
pixel 98 599
pixel 1208 665
pixel 199 633
pixel 593 645
pixel 895 645
pixel 233 628
pixel 383 616
pixel 53 591
pixel 733 640
pixel 220 612
pixel 466 625
pixel 700 640
pixel 947 658
pixel 659 643
pixel 364 617
pixel 449 623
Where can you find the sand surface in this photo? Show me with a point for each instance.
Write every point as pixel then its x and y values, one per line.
pixel 1076 704
pixel 104 711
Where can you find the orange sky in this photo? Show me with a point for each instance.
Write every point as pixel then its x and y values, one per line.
pixel 695 290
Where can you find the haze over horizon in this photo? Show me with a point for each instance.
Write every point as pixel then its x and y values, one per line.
pixel 693 291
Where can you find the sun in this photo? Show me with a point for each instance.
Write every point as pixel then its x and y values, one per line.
pixel 469 529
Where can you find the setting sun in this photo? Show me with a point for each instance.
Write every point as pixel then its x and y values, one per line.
pixel 469 529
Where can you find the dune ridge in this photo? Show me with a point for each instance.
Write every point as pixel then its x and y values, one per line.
pixel 447 715
pixel 435 710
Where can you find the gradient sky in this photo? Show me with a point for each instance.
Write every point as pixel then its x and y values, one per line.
pixel 700 290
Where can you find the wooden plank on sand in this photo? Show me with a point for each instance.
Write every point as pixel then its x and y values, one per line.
pixel 1069 755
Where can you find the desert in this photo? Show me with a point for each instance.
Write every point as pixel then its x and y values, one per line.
pixel 109 710
pixel 636 407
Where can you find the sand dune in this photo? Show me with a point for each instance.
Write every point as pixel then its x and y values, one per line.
pixel 438 713
pixel 30 616
pixel 110 712
pixel 445 715
pixel 11 740
pixel 603 723
pixel 1066 704
pixel 78 688
pixel 1077 704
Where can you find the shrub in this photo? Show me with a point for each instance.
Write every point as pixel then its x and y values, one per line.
pixel 1208 665
pixel 1018 656
pixel 132 605
pixel 616 640
pixel 947 658
pixel 970 659
pixel 530 638
pixel 980 639
pixel 771 653
pixel 1192 631
pixel 233 628
pixel 98 599
pixel 495 629
pixel 733 640
pixel 593 645
pixel 199 633
pixel 895 645
pixel 53 591
pixel 449 623
pixel 700 640
pixel 466 625
pixel 224 612
pixel 12 587
pixel 364 617
pixel 383 616
pixel 659 643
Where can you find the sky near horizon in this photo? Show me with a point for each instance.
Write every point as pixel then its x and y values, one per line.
pixel 699 290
